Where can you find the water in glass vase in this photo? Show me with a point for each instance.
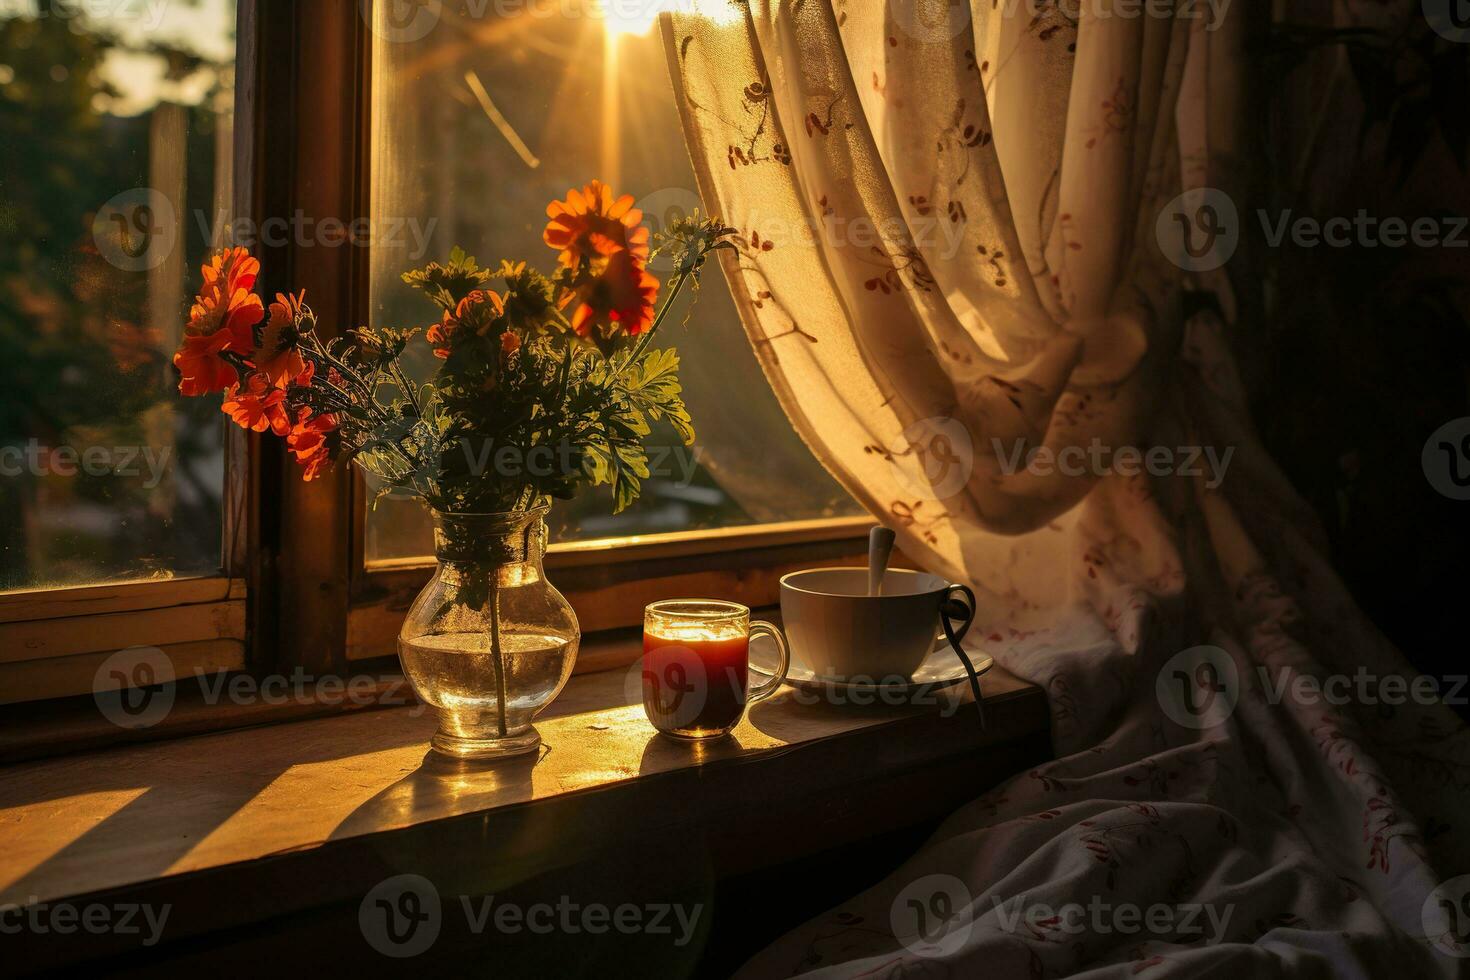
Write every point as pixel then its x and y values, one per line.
pixel 450 670
pixel 489 583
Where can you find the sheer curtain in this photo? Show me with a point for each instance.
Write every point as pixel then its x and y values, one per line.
pixel 947 259
pixel 972 233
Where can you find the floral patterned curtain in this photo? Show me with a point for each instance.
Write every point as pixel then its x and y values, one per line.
pixel 957 244
pixel 948 248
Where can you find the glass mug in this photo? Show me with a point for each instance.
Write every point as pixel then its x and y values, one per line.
pixel 696 666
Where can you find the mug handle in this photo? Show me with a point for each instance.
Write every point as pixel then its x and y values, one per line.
pixel 763 691
pixel 959 604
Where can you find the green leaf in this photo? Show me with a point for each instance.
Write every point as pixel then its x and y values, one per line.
pixel 598 464
pixel 653 387
pixel 679 418
pixel 628 423
pixel 631 457
pixel 655 373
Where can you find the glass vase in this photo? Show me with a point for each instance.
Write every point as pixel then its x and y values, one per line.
pixel 489 642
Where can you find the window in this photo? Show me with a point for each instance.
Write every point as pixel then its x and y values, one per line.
pixel 481 118
pixel 116 163
pixel 122 162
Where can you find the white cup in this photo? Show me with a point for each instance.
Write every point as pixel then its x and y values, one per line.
pixel 840 633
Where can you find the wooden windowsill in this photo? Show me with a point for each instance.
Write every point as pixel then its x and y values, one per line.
pixel 668 545
pixel 238 827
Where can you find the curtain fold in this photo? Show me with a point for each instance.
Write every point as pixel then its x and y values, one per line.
pixel 955 250
pixel 944 260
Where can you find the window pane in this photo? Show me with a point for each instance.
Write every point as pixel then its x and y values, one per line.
pixel 115 134
pixel 478 123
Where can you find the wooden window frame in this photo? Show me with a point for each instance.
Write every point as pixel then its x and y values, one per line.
pixel 297 593
pixel 53 641
pixel 355 616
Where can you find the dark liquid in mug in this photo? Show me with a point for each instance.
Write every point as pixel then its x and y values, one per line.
pixel 695 688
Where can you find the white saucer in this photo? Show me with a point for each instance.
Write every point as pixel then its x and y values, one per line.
pixel 941 668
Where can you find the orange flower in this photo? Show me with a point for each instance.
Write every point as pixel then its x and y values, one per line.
pixel 222 318
pixel 235 266
pixel 259 407
pixel 308 371
pixel 622 296
pixel 509 343
pixel 591 225
pixel 313 440
pixel 475 312
pixel 438 335
pixel 276 356
pixel 201 369
pixel 225 302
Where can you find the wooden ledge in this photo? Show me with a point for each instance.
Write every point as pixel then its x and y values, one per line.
pixel 242 826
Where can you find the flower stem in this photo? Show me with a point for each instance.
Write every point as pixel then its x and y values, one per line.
pixel 658 319
pixel 497 663
pixel 319 355
pixel 686 270
pixel 408 387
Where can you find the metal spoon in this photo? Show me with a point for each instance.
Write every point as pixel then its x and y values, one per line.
pixel 880 547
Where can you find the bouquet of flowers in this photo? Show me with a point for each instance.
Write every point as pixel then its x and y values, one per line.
pixel 548 382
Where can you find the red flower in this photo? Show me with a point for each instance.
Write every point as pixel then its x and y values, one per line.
pixel 259 407
pixel 234 266
pixel 605 247
pixel 475 312
pixel 225 302
pixel 201 369
pixel 622 296
pixel 276 355
pixel 591 225
pixel 314 441
pixel 222 318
